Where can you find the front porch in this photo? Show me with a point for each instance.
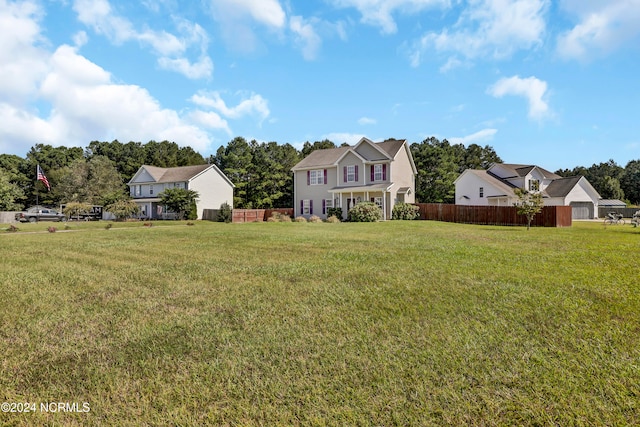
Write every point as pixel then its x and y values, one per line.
pixel 152 208
pixel 347 197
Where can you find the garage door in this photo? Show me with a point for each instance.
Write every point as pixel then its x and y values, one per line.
pixel 581 210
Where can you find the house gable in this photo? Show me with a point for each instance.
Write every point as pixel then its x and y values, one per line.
pixel 143 176
pixel 379 172
pixel 370 151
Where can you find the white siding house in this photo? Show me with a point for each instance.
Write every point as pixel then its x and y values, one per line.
pixel 212 186
pixel 495 187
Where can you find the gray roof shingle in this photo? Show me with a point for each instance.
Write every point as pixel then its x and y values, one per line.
pixel 329 156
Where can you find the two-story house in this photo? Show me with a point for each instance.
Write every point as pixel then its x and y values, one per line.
pixel 495 187
pixel 212 186
pixel 380 172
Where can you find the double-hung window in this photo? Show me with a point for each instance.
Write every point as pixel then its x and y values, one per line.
pixel 377 173
pixel 306 207
pixel 351 173
pixel 317 177
pixel 481 192
pixel 326 205
pixel 534 185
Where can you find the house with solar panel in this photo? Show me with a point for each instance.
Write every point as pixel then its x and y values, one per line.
pixel 379 172
pixel 213 188
pixel 495 187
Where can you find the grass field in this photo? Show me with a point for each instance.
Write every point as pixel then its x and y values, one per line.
pixel 394 323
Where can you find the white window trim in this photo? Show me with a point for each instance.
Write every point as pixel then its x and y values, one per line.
pixel 351 173
pixel 306 206
pixel 316 177
pixel 377 172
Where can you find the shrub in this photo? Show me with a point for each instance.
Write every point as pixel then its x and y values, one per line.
pixel 337 212
pixel 301 219
pixel 314 218
pixel 405 211
pixel 275 217
pixel 225 214
pixel 365 212
pixel 123 209
pixel 193 212
pixel 75 209
pixel 285 218
pixel 333 219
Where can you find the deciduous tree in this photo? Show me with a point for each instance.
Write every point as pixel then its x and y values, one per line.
pixel 529 204
pixel 179 200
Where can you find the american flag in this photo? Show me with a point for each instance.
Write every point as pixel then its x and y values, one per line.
pixel 41 177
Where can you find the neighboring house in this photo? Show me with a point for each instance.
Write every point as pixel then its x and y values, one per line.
pixel 380 172
pixel 212 186
pixel 495 187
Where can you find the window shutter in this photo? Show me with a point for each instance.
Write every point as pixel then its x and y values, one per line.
pixel 308 177
pixel 301 207
pixel 356 173
pixel 345 174
pixel 324 207
pixel 372 172
pixel 384 172
pixel 311 207
pixel 325 177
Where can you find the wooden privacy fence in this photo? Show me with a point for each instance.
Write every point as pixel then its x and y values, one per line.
pixel 246 215
pixel 551 216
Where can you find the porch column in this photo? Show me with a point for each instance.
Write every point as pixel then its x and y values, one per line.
pixel 384 205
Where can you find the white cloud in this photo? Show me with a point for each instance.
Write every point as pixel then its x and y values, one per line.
pixel 170 49
pixel 379 12
pixel 480 136
pixel 20 52
pixel 267 12
pixel 366 121
pixel 210 120
pixel 305 36
pixel 339 138
pixel 533 89
pixel 196 70
pixel 603 27
pixel 86 105
pixel 487 28
pixel 254 105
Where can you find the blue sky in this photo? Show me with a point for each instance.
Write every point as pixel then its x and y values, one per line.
pixel 552 83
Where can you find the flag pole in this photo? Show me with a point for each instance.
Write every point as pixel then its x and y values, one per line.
pixel 36 185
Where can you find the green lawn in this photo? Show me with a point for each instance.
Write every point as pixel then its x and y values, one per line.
pixel 394 323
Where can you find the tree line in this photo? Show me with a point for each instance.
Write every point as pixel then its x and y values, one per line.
pixel 261 172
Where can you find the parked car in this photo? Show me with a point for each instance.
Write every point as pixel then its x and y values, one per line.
pixel 40 213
